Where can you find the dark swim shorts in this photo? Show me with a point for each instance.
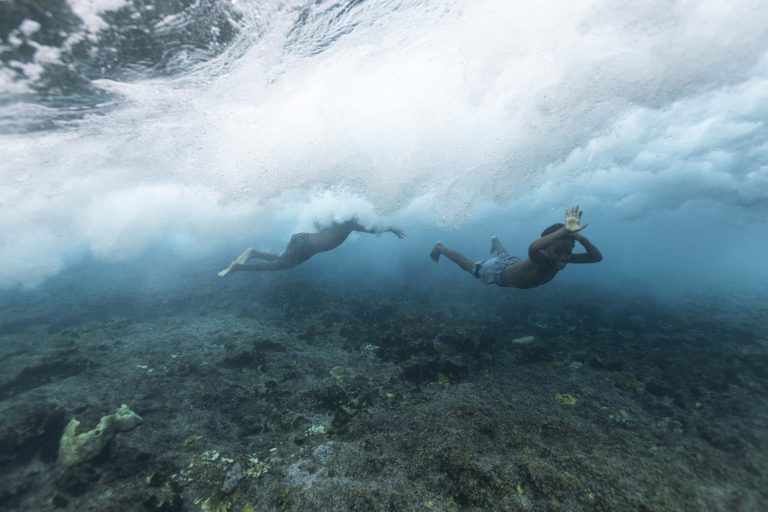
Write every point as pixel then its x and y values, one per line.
pixel 489 271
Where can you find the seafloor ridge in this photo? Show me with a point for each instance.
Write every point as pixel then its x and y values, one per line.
pixel 280 394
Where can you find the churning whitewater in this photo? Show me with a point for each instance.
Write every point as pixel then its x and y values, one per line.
pixel 131 124
pixel 436 255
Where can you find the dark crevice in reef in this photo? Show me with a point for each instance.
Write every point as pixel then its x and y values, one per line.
pixel 59 365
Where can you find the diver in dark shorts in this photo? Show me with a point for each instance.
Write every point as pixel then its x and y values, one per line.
pixel 301 247
pixel 546 256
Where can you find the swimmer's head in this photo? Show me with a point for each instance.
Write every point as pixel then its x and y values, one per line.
pixel 551 229
pixel 558 253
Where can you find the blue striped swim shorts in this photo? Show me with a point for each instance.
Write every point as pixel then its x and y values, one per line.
pixel 490 270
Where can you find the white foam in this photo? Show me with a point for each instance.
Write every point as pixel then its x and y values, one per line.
pixel 712 146
pixel 28 72
pixel 29 27
pixel 463 106
pixel 90 11
pixel 122 224
pixel 436 113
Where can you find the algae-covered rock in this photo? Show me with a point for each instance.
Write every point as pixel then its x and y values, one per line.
pixel 75 448
pixel 524 340
pixel 566 399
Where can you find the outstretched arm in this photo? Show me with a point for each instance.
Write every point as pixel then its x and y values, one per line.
pixel 535 249
pixel 571 227
pixel 592 255
pixel 399 233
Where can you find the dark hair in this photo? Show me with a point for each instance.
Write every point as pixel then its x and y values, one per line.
pixel 552 229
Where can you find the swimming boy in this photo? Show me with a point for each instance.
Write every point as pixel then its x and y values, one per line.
pixel 303 246
pixel 546 256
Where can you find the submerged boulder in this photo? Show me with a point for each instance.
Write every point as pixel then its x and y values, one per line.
pixel 75 448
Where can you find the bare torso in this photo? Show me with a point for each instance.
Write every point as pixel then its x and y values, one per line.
pixel 332 236
pixel 528 274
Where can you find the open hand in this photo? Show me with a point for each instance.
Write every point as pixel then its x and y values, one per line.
pixel 399 233
pixel 573 219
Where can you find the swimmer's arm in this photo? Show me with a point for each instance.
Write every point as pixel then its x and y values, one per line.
pixel 571 228
pixel 399 233
pixel 536 248
pixel 592 255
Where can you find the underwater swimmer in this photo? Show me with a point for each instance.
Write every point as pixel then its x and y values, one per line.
pixel 302 246
pixel 546 256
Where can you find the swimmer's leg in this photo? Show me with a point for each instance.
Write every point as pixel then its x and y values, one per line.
pixel 229 269
pixel 241 262
pixel 435 253
pixel 294 254
pixel 251 253
pixel 456 257
pixel 496 246
pixel 279 264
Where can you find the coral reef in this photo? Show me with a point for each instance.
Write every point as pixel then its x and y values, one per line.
pixel 311 398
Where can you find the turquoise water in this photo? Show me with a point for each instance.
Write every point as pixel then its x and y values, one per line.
pixel 145 145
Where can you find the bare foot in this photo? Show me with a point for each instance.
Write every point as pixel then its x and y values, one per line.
pixel 243 258
pixel 435 254
pixel 228 270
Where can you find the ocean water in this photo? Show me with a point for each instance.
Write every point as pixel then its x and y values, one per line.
pixel 145 144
